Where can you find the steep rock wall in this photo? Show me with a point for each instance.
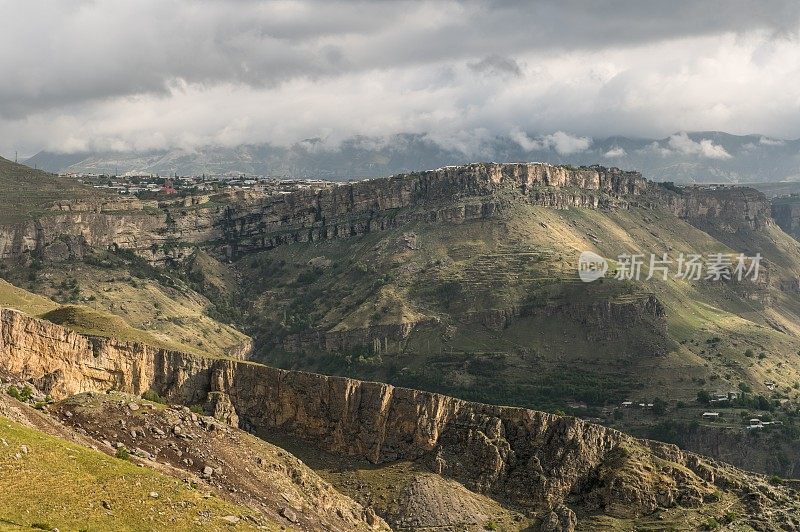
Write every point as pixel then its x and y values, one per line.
pixel 451 194
pixel 786 212
pixel 533 458
pixel 725 207
pixel 243 222
pixel 235 223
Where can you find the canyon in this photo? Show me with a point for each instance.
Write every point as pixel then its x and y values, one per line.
pixel 433 298
pixel 542 462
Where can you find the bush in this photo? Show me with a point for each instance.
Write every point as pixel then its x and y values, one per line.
pixel 659 406
pixel 670 185
pixel 154 397
pixel 23 395
pixel 122 453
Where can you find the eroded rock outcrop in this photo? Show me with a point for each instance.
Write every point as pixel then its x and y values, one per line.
pixel 236 223
pixel 242 222
pixel 786 212
pixel 725 207
pixel 535 459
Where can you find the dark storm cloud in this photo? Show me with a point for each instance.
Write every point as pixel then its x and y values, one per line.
pixel 78 61
pixel 496 65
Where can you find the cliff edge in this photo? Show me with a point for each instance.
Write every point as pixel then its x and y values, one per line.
pixel 552 465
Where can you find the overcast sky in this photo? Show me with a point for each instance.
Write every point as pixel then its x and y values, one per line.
pixel 142 74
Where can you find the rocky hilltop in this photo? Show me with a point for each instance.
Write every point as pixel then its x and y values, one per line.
pixel 250 221
pixel 546 463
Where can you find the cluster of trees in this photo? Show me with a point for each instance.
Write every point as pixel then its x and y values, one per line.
pixel 745 400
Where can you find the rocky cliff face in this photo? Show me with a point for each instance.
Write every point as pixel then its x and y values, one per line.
pixel 535 459
pixel 786 212
pixel 242 222
pixel 245 222
pixel 377 337
pixel 725 207
pixel 449 195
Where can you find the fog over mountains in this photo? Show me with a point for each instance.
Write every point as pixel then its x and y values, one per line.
pixel 702 157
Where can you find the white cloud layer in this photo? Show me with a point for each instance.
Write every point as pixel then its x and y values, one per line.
pixel 85 75
pixel 563 143
pixel 681 143
pixel 615 152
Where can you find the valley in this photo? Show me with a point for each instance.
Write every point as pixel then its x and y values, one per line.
pixel 404 337
pixel 533 467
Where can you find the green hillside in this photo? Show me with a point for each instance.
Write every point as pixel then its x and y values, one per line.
pixel 51 483
pixel 28 192
pixel 496 312
pixel 88 320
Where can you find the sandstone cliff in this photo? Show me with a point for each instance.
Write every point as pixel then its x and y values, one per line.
pixel 726 207
pixel 538 460
pixel 235 223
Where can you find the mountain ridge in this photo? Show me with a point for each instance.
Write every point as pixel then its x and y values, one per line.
pixel 704 157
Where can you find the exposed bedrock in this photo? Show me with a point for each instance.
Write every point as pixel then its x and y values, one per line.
pixel 536 459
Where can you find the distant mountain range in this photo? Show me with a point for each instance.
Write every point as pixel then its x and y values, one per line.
pixel 702 157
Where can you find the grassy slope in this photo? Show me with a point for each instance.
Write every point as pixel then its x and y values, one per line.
pixel 86 320
pixel 151 299
pixel 28 192
pixel 28 302
pixel 62 484
pixel 530 254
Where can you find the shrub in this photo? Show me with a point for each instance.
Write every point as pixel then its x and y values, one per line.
pixel 23 395
pixel 153 396
pixel 122 453
pixel 659 406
